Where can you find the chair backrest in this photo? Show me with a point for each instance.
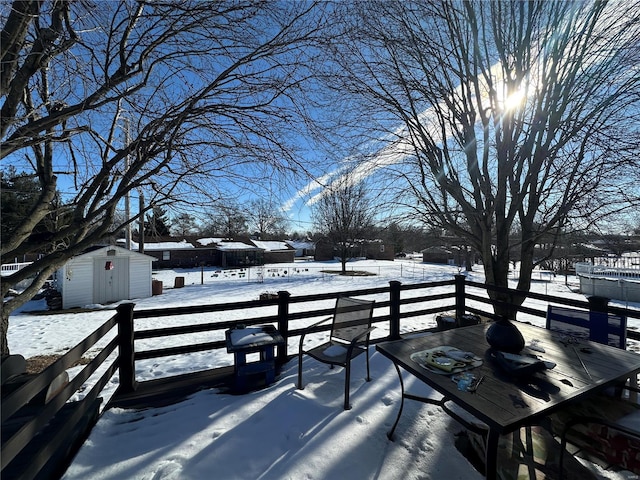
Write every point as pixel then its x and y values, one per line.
pixel 600 327
pixel 351 318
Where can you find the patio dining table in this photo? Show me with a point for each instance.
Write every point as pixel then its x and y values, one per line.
pixel 502 401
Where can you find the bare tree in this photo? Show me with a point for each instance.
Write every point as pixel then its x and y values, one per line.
pixel 266 219
pixel 507 121
pixel 169 99
pixel 342 213
pixel 229 220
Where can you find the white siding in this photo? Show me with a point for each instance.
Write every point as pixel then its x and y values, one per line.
pixel 77 282
pixel 139 277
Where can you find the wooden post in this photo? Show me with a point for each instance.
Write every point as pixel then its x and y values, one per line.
pixel 283 324
pixel 394 309
pixel 126 349
pixel 460 305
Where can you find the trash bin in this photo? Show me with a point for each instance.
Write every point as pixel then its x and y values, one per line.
pixel 156 287
pixel 179 282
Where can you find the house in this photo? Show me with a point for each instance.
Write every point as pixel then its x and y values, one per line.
pixel 377 250
pixel 232 253
pixel 372 249
pixel 275 251
pixel 104 275
pixel 196 252
pixel 440 254
pixel 303 248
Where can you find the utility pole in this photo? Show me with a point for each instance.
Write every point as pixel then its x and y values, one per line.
pixel 141 224
pixel 127 201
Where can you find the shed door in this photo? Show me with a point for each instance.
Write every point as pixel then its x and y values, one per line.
pixel 111 280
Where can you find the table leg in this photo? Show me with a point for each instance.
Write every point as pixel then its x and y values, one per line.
pixel 390 434
pixel 491 457
pixel 239 362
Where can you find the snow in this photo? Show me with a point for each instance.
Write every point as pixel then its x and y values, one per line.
pixel 270 245
pixel 278 432
pixel 231 245
pixel 164 245
pixel 248 336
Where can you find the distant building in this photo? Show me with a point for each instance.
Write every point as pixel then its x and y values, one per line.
pixel 275 251
pixel 442 255
pixel 213 252
pixel 372 249
pixel 231 253
pixel 303 248
pixel 216 252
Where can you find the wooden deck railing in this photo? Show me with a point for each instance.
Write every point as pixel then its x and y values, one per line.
pixel 35 434
pixel 396 306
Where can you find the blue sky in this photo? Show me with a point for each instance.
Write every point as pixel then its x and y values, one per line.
pixel 296 193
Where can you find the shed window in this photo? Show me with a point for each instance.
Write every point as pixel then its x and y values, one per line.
pixel 166 255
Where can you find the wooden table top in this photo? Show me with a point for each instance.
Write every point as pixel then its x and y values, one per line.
pixel 505 402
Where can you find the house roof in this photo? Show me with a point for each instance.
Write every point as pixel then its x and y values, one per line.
pixel 299 244
pixel 232 245
pixel 184 244
pixel 272 246
pixel 167 245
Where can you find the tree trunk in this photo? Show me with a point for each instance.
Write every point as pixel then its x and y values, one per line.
pixel 4 328
pixel 343 261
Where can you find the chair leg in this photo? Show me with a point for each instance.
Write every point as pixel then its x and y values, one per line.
pixel 563 446
pixel 300 387
pixel 347 382
pixel 368 373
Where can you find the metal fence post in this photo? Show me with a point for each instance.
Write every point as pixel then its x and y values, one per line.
pixel 394 309
pixel 126 349
pixel 460 305
pixel 283 324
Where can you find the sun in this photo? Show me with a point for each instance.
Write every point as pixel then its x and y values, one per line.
pixel 514 100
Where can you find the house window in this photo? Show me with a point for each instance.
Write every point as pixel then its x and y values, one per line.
pixel 166 255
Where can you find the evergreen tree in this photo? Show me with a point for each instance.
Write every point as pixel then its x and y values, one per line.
pixel 157 223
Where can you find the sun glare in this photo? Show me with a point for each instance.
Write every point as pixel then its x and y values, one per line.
pixel 514 100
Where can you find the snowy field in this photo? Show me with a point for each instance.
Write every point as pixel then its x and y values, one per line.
pixel 279 432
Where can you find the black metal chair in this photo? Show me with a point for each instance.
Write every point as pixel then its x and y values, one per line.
pixel 349 338
pixel 600 428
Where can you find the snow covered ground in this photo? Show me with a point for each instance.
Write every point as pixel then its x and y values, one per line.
pixel 279 432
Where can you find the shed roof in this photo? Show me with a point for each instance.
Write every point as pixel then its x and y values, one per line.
pixel 99 251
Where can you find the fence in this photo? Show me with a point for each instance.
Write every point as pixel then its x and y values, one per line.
pixel 7 269
pixel 616 283
pixel 44 438
pixel 283 272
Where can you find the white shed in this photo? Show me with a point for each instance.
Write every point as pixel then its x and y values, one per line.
pixel 104 275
